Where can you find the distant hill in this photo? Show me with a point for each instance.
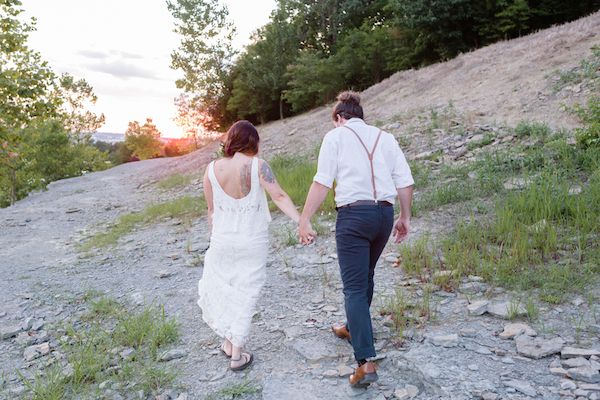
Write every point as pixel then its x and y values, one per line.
pixel 108 137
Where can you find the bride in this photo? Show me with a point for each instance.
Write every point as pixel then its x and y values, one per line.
pixel 238 213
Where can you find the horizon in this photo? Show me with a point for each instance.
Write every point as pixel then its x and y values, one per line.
pixel 127 62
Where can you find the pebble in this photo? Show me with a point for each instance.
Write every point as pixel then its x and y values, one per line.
pixel 344 370
pixel 478 307
pixel 504 309
pixel 473 367
pixel 584 374
pixel 331 373
pixel 575 362
pixel 573 352
pixel 521 386
pixel 407 392
pixel 9 331
pixel 445 340
pixel 537 347
pixel 172 355
pixel 516 329
pixel 36 351
pixel 567 385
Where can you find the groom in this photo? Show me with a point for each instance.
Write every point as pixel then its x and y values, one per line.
pixel 370 171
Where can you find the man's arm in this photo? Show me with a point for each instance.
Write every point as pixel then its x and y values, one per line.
pixel 402 226
pixel 314 199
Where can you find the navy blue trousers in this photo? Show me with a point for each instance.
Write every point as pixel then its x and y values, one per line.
pixel 361 234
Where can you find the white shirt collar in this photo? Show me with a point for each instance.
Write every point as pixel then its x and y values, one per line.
pixel 355 121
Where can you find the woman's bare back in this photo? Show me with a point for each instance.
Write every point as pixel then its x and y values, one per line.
pixel 234 175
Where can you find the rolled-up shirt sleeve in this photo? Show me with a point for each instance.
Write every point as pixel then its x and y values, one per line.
pixel 327 166
pixel 401 173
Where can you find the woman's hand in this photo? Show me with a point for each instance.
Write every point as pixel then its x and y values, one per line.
pixel 401 229
pixel 306 233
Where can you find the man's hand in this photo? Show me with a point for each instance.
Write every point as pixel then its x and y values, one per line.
pixel 401 229
pixel 306 234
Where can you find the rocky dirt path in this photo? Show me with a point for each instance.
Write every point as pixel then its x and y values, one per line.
pixel 461 353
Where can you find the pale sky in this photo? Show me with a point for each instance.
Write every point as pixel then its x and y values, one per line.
pixel 122 48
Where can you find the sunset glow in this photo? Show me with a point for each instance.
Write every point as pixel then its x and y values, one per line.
pixel 124 53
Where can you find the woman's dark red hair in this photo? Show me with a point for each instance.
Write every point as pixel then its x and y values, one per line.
pixel 241 137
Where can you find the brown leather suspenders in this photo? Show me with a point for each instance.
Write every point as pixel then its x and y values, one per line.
pixel 370 155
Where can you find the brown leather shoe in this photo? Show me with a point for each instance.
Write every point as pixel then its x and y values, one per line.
pixel 341 332
pixel 364 375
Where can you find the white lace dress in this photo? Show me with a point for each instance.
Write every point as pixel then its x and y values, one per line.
pixel 234 265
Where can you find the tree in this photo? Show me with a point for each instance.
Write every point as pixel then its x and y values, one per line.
pixel 194 121
pixel 143 140
pixel 25 83
pixel 205 55
pixel 75 96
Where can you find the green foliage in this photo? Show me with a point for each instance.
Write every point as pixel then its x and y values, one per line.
pixel 143 140
pixel 41 116
pixel 295 175
pixel 90 351
pixel 589 136
pixel 309 51
pixel 175 181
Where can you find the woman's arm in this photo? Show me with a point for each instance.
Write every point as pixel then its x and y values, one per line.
pixel 208 196
pixel 278 195
pixel 314 199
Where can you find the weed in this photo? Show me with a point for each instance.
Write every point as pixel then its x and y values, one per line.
pixel 186 208
pixel 532 310
pixel 102 308
pixel 417 259
pixel 51 386
pixel 234 391
pixel 174 181
pixel 295 175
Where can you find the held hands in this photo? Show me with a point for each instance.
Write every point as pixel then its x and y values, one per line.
pixel 401 229
pixel 306 234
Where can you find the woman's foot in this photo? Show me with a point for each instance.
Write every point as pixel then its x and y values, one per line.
pixel 226 348
pixel 241 363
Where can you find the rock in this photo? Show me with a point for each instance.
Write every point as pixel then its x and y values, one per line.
pixel 489 396
pixel 104 385
pixel 127 353
pixel 567 385
pixel 577 301
pixel 330 308
pixel 473 367
pixel 172 355
pixel 516 329
pixel 473 287
pixel 344 370
pixel 573 352
pixel 166 274
pixel 507 360
pixel 505 310
pixel 445 340
pixel 182 396
pixel 36 351
pixel 477 348
pixel 468 332
pixel 590 386
pixel 26 324
pixel 25 339
pixel 575 362
pixel 37 324
pixel 584 374
pixel 313 349
pixel 330 373
pixel 9 331
pixel 559 372
pixel 478 307
pixel 537 347
pixel 407 392
pixel 521 386
pixel 515 183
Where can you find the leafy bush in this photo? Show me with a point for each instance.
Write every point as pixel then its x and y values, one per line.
pixel 589 136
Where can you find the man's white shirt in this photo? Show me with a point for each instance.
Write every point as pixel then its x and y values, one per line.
pixel 344 160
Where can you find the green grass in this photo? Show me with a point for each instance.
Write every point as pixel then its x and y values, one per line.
pixel 174 181
pixel 90 347
pixel 295 175
pixel 235 391
pixel 185 208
